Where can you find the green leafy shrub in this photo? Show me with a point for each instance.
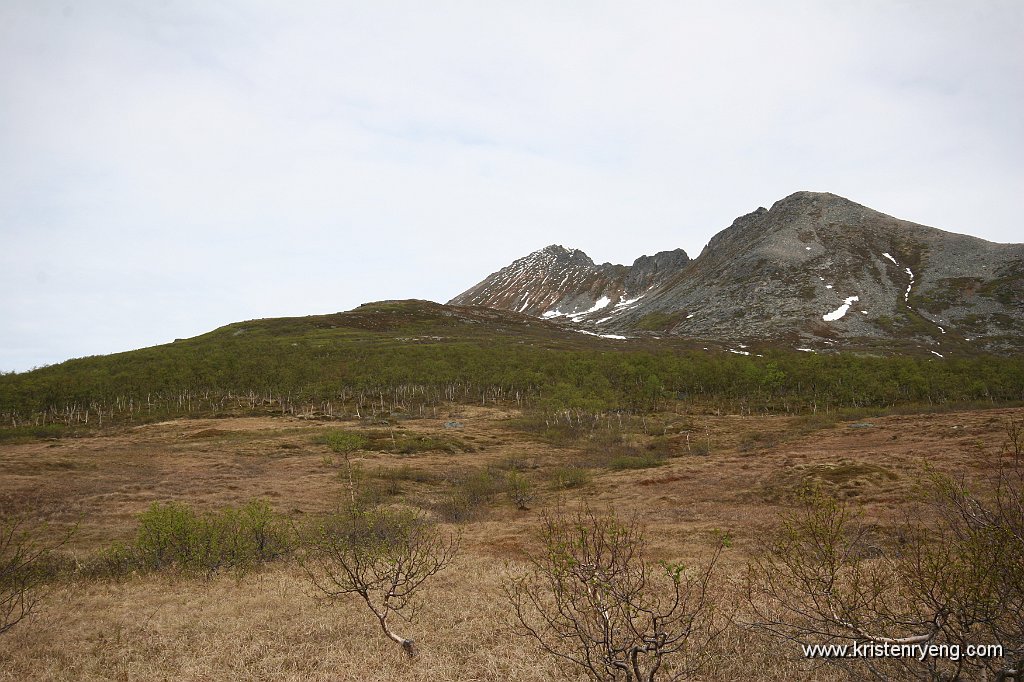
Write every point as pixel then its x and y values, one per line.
pixel 173 535
pixel 27 434
pixel 519 490
pixel 342 441
pixel 113 562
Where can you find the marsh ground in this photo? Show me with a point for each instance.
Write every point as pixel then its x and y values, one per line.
pixel 715 473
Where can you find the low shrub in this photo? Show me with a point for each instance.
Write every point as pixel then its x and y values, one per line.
pixel 407 473
pixel 342 441
pixel 174 536
pixel 470 495
pixel 28 561
pixel 567 477
pixel 641 461
pixel 27 434
pixel 519 490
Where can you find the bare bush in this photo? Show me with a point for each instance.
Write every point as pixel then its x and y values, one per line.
pixel 830 579
pixel 821 582
pixel 24 569
pixel 381 555
pixel 592 601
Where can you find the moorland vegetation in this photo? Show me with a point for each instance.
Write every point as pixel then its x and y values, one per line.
pixel 604 591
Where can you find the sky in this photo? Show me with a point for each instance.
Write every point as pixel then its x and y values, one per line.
pixel 170 167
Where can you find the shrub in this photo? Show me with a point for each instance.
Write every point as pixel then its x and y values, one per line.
pixel 470 496
pixel 809 423
pixel 519 490
pixel 593 602
pixel 640 461
pixel 113 562
pixel 406 473
pixel 828 578
pixel 342 441
pixel 173 535
pixel 382 556
pixel 26 564
pixel 701 448
pixel 567 477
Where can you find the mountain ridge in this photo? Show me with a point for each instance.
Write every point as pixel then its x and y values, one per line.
pixel 551 271
pixel 815 270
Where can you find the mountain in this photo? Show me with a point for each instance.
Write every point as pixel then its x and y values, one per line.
pixel 558 282
pixel 814 271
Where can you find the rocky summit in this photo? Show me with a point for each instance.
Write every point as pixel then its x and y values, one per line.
pixel 814 272
pixel 559 282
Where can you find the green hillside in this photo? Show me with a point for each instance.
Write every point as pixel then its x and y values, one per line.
pixel 403 356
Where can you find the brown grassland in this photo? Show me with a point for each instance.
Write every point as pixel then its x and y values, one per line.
pixel 719 474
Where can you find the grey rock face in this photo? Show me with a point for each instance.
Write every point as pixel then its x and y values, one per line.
pixel 814 271
pixel 651 270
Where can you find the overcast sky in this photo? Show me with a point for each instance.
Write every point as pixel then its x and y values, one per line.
pixel 170 167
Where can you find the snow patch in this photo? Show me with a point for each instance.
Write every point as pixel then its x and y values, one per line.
pixel 738 352
pixel 841 310
pixel 690 315
pixel 808 248
pixel 552 313
pixel 603 336
pixel 906 294
pixel 601 303
pixel 623 302
pixel 807 350
pixel 828 286
pixel 939 354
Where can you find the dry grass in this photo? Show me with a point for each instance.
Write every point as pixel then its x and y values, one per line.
pixel 268 626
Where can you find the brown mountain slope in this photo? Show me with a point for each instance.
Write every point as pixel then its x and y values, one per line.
pixel 560 282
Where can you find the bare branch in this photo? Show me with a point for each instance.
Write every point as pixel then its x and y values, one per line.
pixel 383 556
pixel 592 601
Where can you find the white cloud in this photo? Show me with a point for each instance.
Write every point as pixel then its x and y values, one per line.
pixel 168 168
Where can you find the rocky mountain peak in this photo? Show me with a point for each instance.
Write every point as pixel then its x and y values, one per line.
pixel 556 281
pixel 556 253
pixel 816 270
